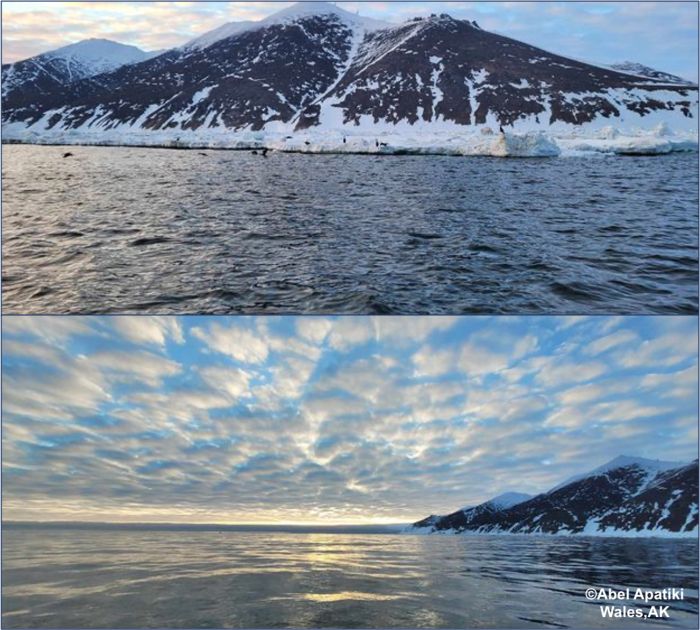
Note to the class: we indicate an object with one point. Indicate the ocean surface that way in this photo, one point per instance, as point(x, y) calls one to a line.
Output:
point(116, 230)
point(126, 579)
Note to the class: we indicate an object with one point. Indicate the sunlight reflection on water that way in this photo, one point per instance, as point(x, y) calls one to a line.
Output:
point(119, 579)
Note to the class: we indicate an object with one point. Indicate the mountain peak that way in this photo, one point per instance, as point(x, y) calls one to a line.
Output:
point(306, 9)
point(623, 461)
point(629, 460)
point(509, 499)
point(645, 497)
point(316, 7)
point(645, 72)
point(296, 12)
point(96, 48)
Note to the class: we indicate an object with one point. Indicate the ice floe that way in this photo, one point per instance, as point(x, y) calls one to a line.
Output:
point(473, 141)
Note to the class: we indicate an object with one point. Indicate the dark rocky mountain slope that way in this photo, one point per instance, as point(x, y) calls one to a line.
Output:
point(317, 66)
point(32, 80)
point(628, 496)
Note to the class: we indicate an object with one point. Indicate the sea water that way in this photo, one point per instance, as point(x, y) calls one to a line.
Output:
point(117, 230)
point(232, 579)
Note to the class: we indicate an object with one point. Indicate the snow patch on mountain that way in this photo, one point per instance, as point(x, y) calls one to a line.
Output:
point(645, 72)
point(290, 15)
point(302, 10)
point(100, 55)
point(222, 32)
point(508, 500)
point(316, 78)
point(82, 60)
point(629, 496)
point(650, 466)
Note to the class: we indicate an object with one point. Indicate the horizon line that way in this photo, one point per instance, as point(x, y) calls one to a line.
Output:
point(204, 525)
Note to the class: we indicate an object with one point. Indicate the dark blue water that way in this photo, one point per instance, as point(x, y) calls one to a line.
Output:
point(117, 230)
point(71, 579)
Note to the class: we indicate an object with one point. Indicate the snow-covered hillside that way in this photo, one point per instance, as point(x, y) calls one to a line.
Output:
point(629, 496)
point(57, 68)
point(286, 17)
point(651, 466)
point(508, 500)
point(338, 81)
point(641, 70)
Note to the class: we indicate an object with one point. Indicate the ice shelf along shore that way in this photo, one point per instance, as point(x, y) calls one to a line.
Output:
point(480, 141)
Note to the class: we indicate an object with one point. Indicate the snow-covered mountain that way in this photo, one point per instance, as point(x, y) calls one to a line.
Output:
point(508, 500)
point(314, 66)
point(626, 497)
point(462, 519)
point(46, 73)
point(641, 70)
point(285, 17)
point(651, 466)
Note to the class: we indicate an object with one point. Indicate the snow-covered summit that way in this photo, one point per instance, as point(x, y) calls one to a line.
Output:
point(222, 32)
point(289, 15)
point(508, 500)
point(56, 68)
point(318, 70)
point(645, 72)
point(650, 466)
point(103, 55)
point(628, 496)
point(302, 10)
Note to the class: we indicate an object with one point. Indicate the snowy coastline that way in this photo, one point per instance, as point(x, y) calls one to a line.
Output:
point(471, 142)
point(590, 532)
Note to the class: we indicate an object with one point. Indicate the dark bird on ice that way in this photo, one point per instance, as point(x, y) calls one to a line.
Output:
point(503, 133)
point(265, 152)
point(307, 143)
point(67, 155)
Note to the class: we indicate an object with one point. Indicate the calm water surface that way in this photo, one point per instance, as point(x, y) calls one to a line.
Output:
point(69, 579)
point(115, 230)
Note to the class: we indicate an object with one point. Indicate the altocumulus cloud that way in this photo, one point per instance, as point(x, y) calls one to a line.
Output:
point(328, 420)
point(659, 34)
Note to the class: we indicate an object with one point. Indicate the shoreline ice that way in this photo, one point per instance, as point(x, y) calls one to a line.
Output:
point(477, 142)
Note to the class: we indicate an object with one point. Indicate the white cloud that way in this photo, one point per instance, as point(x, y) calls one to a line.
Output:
point(235, 341)
point(581, 394)
point(351, 331)
point(55, 329)
point(431, 362)
point(411, 328)
point(681, 384)
point(603, 344)
point(313, 329)
point(664, 351)
point(234, 381)
point(300, 428)
point(571, 320)
point(291, 377)
point(477, 361)
point(624, 410)
point(148, 329)
point(137, 365)
point(556, 372)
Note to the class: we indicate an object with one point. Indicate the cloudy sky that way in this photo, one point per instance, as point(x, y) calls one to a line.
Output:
point(660, 34)
point(314, 420)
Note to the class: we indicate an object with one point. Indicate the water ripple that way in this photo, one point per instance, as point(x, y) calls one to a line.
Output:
point(92, 579)
point(137, 230)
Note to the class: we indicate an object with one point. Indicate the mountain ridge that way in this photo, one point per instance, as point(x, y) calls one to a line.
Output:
point(57, 68)
point(315, 66)
point(625, 497)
